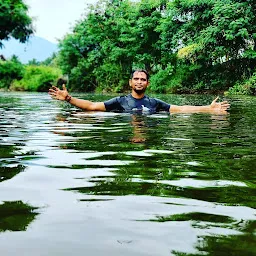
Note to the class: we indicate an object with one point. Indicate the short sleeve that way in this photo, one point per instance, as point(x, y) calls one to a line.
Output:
point(162, 106)
point(113, 104)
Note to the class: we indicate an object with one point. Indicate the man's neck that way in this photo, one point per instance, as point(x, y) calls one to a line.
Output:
point(136, 95)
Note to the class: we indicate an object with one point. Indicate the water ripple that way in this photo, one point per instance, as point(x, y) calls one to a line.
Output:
point(121, 184)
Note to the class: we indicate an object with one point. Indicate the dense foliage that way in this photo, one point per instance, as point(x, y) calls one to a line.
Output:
point(37, 78)
point(114, 37)
point(216, 39)
point(14, 20)
point(186, 45)
point(10, 70)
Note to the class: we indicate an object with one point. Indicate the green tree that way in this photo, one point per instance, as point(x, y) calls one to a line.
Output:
point(216, 39)
point(10, 70)
point(37, 78)
point(96, 47)
point(34, 62)
point(114, 37)
point(14, 21)
point(185, 45)
point(16, 216)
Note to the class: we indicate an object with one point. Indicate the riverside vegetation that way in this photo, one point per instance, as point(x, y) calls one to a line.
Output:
point(186, 46)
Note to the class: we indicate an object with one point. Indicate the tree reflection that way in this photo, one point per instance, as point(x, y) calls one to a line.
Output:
point(220, 245)
point(7, 173)
point(9, 166)
point(134, 129)
point(16, 216)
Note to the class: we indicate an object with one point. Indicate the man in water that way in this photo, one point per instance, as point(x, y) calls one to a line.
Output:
point(137, 100)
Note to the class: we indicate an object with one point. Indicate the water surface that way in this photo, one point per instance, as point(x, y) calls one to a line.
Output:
point(84, 183)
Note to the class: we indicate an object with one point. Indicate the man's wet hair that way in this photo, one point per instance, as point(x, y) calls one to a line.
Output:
point(140, 70)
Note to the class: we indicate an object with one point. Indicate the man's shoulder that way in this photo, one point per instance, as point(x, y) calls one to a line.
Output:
point(151, 99)
point(125, 97)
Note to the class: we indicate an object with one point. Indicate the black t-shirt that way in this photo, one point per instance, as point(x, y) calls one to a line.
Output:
point(129, 104)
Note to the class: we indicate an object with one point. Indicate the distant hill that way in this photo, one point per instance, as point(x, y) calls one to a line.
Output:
point(36, 48)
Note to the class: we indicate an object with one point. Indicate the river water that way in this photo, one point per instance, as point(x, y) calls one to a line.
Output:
point(77, 183)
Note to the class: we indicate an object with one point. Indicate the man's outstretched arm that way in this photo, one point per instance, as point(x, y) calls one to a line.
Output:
point(59, 94)
point(214, 108)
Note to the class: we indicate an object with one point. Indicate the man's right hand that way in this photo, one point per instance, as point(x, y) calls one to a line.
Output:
point(57, 93)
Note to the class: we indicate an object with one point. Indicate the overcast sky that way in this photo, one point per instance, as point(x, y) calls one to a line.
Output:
point(54, 18)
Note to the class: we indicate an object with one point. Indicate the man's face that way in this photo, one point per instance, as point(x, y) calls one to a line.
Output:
point(139, 82)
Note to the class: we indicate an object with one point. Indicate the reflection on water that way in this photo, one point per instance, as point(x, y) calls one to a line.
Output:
point(122, 184)
point(16, 216)
point(7, 172)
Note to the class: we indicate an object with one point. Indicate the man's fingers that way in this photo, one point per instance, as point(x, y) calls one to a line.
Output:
point(64, 87)
point(224, 103)
point(54, 88)
point(51, 91)
point(215, 99)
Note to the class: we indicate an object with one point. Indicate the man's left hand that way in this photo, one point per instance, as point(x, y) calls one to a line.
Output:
point(219, 107)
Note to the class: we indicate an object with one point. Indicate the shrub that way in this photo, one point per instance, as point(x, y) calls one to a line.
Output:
point(110, 78)
point(160, 81)
point(37, 78)
point(10, 70)
point(246, 87)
